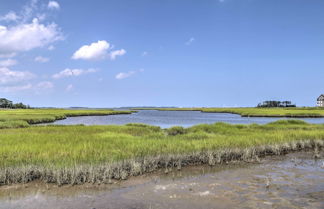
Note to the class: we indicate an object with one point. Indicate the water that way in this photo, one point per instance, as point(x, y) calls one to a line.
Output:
point(292, 181)
point(167, 119)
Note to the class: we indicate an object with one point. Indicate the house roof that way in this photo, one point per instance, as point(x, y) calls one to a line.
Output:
point(321, 98)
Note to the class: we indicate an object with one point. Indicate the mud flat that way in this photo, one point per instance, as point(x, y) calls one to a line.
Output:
point(294, 180)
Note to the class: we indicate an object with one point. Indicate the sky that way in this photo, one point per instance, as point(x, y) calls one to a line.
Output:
point(186, 53)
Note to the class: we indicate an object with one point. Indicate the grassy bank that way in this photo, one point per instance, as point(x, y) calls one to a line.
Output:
point(297, 112)
point(19, 118)
point(79, 154)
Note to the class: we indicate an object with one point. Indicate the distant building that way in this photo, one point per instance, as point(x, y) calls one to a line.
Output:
point(320, 101)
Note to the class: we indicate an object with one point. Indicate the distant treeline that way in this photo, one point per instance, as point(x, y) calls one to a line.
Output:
point(276, 104)
point(5, 103)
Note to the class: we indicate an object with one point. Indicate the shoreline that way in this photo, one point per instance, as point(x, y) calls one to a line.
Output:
point(271, 183)
point(22, 118)
point(107, 173)
point(173, 174)
point(71, 116)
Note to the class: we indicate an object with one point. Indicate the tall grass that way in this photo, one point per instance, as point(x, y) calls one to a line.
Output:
point(78, 154)
point(259, 112)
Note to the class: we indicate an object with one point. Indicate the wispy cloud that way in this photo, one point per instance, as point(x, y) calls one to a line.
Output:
point(69, 88)
point(190, 41)
point(10, 16)
point(41, 59)
point(116, 53)
point(124, 75)
point(53, 5)
point(8, 76)
point(72, 73)
point(15, 88)
point(45, 85)
point(51, 48)
point(42, 87)
point(38, 88)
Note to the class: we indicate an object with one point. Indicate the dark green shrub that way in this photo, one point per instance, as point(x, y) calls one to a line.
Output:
point(288, 122)
point(175, 130)
point(146, 126)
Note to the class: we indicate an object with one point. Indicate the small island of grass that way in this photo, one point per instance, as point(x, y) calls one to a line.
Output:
point(21, 118)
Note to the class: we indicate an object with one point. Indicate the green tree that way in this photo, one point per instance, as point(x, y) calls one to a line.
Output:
point(5, 103)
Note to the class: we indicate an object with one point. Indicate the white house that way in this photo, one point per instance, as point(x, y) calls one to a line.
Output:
point(320, 101)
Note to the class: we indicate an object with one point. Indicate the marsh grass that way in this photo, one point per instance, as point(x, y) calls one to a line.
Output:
point(98, 154)
point(19, 118)
point(13, 124)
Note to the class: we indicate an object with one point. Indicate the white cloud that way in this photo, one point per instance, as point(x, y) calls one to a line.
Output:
point(27, 30)
point(72, 73)
point(41, 59)
point(190, 41)
point(45, 85)
point(8, 62)
point(8, 76)
point(25, 37)
point(53, 5)
point(10, 16)
point(144, 54)
point(116, 53)
point(69, 87)
point(125, 75)
point(96, 51)
point(122, 75)
point(9, 89)
point(93, 51)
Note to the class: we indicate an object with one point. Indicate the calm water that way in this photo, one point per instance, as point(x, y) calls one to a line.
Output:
point(167, 119)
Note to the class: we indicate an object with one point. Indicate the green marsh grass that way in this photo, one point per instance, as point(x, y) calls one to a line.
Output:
point(18, 118)
point(79, 154)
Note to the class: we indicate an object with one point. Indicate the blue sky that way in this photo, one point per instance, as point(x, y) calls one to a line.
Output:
point(109, 53)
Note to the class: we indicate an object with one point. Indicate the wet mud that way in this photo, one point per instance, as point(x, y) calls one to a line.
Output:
point(294, 180)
